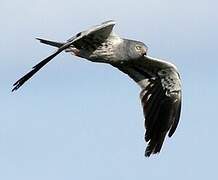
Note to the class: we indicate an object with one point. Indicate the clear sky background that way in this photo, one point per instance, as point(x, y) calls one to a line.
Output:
point(80, 120)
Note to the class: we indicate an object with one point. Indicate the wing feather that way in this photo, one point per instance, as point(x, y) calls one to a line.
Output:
point(38, 66)
point(177, 112)
point(93, 37)
point(84, 39)
point(160, 98)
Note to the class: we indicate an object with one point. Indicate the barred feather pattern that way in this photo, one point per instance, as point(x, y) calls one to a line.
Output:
point(161, 101)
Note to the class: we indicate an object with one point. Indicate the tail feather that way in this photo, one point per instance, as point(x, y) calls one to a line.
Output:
point(51, 43)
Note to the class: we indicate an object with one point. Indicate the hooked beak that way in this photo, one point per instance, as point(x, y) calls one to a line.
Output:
point(145, 50)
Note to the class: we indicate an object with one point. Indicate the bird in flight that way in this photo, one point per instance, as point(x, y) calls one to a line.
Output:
point(159, 80)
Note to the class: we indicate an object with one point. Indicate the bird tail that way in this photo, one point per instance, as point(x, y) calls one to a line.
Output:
point(51, 43)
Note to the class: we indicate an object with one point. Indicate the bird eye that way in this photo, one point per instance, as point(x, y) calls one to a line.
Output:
point(138, 48)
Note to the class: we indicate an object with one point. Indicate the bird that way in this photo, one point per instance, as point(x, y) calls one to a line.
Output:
point(159, 80)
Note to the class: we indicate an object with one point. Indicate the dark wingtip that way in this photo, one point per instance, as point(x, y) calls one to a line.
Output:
point(150, 148)
point(38, 66)
point(40, 40)
point(155, 145)
point(147, 154)
point(16, 86)
point(19, 83)
point(37, 38)
point(171, 132)
point(176, 121)
point(14, 89)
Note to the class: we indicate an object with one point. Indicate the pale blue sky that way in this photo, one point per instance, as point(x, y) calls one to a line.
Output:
point(80, 120)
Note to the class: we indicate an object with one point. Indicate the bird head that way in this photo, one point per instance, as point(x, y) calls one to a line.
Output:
point(136, 49)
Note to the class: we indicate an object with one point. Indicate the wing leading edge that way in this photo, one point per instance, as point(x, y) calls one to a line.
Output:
point(101, 31)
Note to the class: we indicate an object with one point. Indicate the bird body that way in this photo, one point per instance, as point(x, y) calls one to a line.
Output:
point(159, 80)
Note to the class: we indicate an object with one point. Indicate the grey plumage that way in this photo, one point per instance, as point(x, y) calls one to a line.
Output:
point(159, 80)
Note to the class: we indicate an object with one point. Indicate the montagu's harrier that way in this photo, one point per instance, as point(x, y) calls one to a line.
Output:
point(159, 80)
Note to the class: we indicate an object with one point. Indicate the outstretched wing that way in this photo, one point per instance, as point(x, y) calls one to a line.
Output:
point(94, 37)
point(85, 39)
point(160, 97)
point(38, 66)
point(161, 101)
